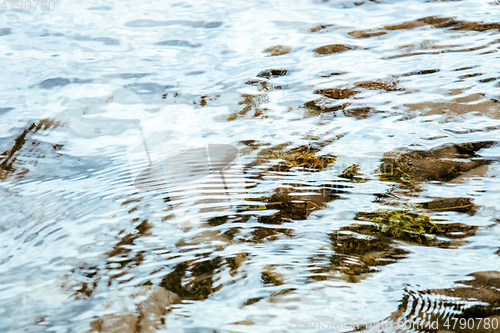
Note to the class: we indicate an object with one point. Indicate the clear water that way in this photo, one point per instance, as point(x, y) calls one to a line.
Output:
point(70, 235)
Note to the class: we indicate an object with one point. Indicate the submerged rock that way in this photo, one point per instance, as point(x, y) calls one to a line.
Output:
point(414, 227)
point(440, 164)
point(199, 275)
point(350, 172)
point(464, 205)
point(473, 307)
point(357, 256)
point(278, 50)
point(291, 207)
point(137, 310)
point(333, 48)
point(337, 93)
point(271, 73)
point(304, 157)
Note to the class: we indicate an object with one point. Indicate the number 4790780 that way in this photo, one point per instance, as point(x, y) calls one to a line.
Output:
point(472, 323)
point(28, 5)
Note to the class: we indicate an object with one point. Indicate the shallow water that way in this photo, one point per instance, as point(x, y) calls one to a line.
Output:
point(75, 233)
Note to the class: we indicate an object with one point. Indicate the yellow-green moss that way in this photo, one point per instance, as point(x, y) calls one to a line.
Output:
point(302, 157)
point(413, 226)
point(395, 175)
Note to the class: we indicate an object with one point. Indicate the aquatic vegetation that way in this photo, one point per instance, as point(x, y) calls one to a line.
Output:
point(360, 249)
point(351, 172)
point(413, 226)
point(300, 157)
point(392, 174)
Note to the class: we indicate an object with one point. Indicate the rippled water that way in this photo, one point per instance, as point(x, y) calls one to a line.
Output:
point(323, 84)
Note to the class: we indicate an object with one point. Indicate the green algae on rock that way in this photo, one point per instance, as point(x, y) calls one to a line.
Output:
point(350, 172)
point(303, 157)
point(413, 226)
point(392, 174)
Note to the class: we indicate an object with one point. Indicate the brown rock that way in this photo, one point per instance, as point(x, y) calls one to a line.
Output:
point(450, 204)
point(278, 50)
point(442, 164)
point(333, 48)
point(145, 315)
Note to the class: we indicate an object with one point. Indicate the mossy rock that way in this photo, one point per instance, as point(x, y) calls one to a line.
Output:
point(393, 174)
point(352, 173)
point(356, 256)
point(304, 157)
point(414, 227)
